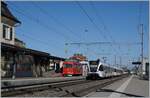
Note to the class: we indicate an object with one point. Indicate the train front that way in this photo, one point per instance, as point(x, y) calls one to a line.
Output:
point(93, 73)
point(67, 68)
point(72, 68)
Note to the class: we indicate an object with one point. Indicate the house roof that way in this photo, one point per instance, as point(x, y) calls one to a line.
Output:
point(6, 12)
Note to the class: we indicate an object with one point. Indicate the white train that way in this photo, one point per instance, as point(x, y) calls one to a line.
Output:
point(98, 69)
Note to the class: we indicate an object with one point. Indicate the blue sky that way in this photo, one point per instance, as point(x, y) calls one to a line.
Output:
point(47, 26)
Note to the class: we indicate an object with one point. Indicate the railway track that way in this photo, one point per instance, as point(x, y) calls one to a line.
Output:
point(72, 88)
point(82, 90)
point(30, 89)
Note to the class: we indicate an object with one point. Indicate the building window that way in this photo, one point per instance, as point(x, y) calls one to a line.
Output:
point(7, 32)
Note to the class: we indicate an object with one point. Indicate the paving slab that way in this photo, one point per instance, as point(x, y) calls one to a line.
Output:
point(128, 87)
point(137, 87)
point(107, 91)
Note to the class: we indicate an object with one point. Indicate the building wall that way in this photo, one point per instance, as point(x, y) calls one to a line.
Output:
point(23, 65)
point(6, 64)
point(10, 23)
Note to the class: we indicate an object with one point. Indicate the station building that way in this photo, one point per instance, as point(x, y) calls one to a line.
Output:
point(16, 59)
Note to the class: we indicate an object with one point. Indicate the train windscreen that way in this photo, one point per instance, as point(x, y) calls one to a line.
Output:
point(67, 65)
point(93, 69)
point(93, 66)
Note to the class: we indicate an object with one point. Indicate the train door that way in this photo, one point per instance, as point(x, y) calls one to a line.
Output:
point(101, 71)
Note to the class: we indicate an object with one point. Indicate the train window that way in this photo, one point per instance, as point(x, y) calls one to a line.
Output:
point(93, 62)
point(93, 69)
point(68, 65)
point(101, 68)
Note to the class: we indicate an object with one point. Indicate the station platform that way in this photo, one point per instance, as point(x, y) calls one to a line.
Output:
point(31, 81)
point(131, 86)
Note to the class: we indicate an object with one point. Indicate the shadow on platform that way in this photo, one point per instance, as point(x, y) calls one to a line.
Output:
point(109, 90)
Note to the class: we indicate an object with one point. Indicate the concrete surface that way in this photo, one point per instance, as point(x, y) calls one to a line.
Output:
point(128, 87)
point(138, 87)
point(30, 81)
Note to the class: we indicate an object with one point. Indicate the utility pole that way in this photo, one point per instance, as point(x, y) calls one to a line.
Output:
point(115, 62)
point(120, 61)
point(142, 41)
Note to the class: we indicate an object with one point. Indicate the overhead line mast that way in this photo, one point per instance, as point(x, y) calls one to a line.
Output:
point(141, 36)
point(142, 41)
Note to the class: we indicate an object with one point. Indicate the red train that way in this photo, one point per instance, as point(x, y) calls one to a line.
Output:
point(71, 68)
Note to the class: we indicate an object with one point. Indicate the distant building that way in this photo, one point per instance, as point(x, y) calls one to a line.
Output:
point(142, 68)
point(56, 63)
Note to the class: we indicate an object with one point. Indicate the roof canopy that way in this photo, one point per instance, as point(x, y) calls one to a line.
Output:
point(12, 48)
